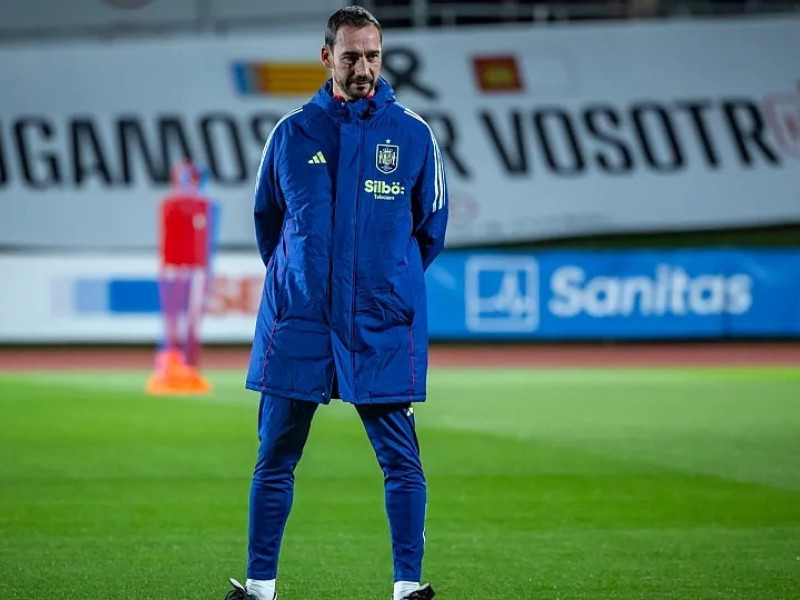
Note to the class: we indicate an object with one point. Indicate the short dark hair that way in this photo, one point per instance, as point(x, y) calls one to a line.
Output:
point(356, 16)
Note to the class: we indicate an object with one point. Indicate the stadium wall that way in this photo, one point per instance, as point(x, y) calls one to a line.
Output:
point(598, 129)
point(546, 133)
point(706, 294)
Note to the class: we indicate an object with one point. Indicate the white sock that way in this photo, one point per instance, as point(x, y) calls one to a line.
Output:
point(263, 589)
point(401, 588)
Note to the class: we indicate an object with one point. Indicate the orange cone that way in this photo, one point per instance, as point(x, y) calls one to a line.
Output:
point(173, 376)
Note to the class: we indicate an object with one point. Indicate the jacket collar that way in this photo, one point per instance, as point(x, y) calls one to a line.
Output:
point(364, 108)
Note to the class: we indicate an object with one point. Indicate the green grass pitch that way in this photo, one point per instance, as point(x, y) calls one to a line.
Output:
point(561, 484)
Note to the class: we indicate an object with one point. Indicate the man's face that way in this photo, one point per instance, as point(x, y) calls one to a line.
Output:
point(355, 61)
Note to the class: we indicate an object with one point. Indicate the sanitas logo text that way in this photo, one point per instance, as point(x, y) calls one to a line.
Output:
point(383, 190)
point(670, 291)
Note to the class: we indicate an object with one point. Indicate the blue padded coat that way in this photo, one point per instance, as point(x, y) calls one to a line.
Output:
point(350, 209)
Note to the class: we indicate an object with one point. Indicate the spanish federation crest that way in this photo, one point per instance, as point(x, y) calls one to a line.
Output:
point(386, 156)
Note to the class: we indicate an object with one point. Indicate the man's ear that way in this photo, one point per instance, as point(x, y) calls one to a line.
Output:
point(326, 55)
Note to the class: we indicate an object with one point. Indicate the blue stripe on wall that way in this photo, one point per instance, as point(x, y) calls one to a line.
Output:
point(138, 296)
point(241, 78)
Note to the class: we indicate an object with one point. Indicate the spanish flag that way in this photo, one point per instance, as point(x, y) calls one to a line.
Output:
point(497, 73)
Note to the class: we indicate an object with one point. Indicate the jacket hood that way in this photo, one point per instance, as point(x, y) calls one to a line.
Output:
point(363, 108)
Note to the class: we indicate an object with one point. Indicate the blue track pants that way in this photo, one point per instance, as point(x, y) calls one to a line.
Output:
point(283, 430)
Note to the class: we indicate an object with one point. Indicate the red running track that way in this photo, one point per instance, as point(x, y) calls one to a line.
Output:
point(485, 355)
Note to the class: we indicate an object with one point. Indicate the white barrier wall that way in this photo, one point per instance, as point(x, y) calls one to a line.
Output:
point(472, 295)
point(545, 132)
point(52, 298)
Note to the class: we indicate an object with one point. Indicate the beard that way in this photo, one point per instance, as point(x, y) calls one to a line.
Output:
point(359, 87)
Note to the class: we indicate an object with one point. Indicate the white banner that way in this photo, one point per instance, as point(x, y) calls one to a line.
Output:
point(546, 131)
point(51, 298)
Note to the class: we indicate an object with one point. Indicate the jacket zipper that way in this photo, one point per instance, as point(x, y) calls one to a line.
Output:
point(355, 255)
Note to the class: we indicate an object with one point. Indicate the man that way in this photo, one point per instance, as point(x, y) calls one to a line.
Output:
point(350, 209)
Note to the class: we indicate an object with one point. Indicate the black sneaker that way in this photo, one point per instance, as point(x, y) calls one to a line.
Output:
point(240, 593)
point(424, 592)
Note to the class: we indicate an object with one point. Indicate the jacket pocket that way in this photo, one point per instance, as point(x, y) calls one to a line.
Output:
point(378, 309)
point(275, 284)
point(402, 304)
point(407, 291)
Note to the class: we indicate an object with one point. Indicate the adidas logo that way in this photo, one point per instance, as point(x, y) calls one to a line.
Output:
point(317, 159)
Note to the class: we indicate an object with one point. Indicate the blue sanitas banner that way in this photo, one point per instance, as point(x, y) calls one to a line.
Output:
point(591, 295)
